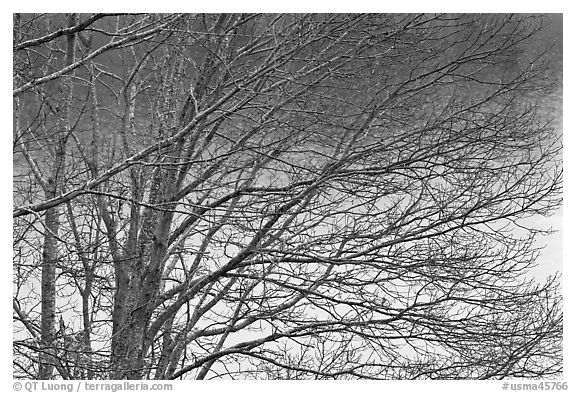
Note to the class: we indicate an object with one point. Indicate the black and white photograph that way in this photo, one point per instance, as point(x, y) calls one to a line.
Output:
point(287, 196)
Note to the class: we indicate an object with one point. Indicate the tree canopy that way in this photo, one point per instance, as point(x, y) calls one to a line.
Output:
point(283, 196)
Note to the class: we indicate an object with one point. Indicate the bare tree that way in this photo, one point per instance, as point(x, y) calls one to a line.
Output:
point(283, 196)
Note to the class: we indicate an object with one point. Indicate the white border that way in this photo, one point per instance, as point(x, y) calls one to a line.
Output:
point(569, 234)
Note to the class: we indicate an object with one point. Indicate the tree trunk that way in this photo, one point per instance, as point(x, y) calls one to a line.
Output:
point(49, 259)
point(51, 223)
